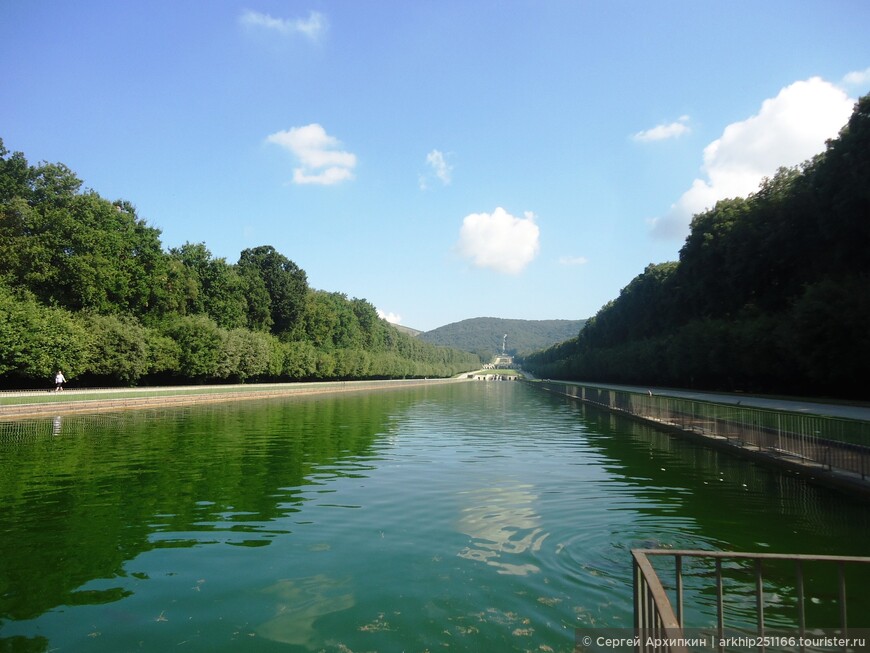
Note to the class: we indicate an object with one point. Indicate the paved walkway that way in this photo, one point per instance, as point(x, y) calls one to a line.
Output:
point(66, 399)
point(796, 405)
point(36, 403)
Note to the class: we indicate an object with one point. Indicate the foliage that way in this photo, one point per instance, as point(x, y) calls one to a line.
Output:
point(86, 287)
point(214, 287)
point(770, 292)
point(119, 347)
point(77, 250)
point(286, 284)
point(36, 340)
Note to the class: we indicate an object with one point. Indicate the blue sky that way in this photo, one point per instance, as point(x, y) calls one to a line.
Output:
point(444, 160)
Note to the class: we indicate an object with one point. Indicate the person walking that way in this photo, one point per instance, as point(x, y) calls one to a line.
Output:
point(59, 380)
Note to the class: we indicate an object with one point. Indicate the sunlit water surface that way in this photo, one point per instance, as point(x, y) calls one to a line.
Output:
point(483, 516)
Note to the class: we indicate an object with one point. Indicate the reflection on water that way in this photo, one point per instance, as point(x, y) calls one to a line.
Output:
point(299, 603)
point(502, 523)
point(471, 516)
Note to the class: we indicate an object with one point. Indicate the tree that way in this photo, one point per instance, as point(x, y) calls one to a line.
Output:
point(79, 251)
point(708, 259)
point(119, 348)
point(200, 343)
point(217, 289)
point(15, 175)
point(53, 184)
point(286, 285)
point(36, 341)
point(258, 303)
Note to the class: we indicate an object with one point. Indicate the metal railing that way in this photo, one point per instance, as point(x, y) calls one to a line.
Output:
point(826, 442)
point(656, 616)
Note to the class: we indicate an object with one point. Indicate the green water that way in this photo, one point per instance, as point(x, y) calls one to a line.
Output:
point(469, 517)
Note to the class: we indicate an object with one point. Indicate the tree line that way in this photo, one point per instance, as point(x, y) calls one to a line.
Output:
point(87, 287)
point(771, 292)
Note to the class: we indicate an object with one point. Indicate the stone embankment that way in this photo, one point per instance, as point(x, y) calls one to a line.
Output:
point(30, 404)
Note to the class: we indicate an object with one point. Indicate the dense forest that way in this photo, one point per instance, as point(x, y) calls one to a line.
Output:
point(771, 292)
point(87, 287)
point(483, 335)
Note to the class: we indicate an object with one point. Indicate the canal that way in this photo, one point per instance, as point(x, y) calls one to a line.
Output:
point(471, 516)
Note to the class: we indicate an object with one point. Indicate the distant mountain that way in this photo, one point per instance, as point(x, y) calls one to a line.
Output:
point(483, 335)
point(411, 332)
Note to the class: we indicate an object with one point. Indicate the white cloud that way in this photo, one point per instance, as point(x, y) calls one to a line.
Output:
point(573, 260)
point(437, 162)
point(663, 132)
point(499, 241)
point(328, 177)
point(322, 162)
point(787, 130)
point(392, 318)
point(857, 78)
point(312, 27)
point(439, 166)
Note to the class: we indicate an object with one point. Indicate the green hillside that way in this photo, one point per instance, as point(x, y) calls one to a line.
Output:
point(483, 335)
point(401, 328)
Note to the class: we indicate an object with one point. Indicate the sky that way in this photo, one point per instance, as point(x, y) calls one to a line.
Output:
point(442, 159)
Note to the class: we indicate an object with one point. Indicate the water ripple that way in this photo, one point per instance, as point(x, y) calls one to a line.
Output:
point(469, 516)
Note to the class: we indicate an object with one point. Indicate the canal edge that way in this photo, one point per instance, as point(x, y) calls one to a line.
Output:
point(812, 472)
point(202, 395)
